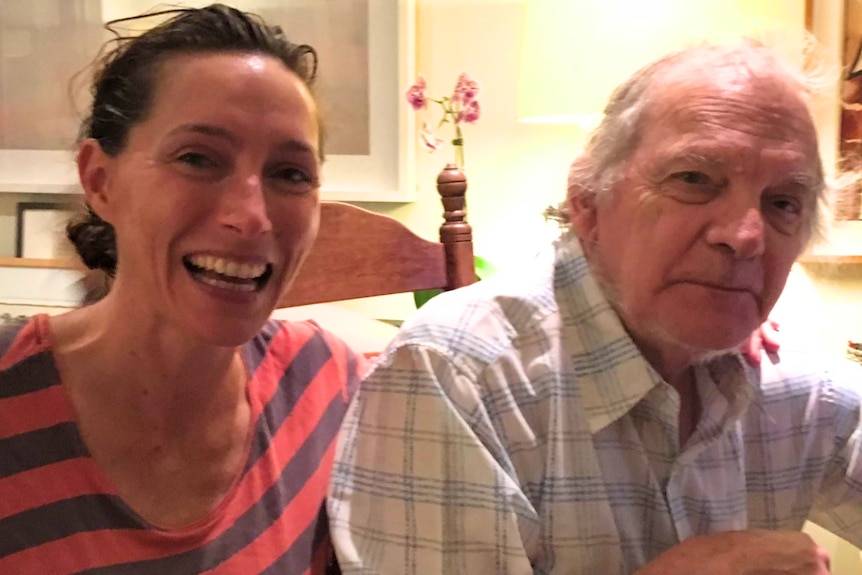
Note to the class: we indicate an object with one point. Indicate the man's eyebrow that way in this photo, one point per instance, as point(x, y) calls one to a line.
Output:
point(699, 156)
point(693, 157)
point(805, 180)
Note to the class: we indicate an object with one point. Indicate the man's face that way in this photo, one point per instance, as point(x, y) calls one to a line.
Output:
point(695, 241)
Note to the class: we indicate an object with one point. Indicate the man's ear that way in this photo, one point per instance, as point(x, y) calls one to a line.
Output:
point(580, 201)
point(93, 173)
point(582, 214)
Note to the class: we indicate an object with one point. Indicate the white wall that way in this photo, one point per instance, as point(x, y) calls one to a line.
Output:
point(514, 170)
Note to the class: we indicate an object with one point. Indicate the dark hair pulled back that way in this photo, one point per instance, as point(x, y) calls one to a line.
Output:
point(125, 81)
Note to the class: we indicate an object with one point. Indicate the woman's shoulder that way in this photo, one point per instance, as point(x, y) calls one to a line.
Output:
point(303, 347)
point(295, 335)
point(22, 339)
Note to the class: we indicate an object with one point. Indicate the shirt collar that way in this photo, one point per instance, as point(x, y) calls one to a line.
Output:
point(735, 379)
point(612, 374)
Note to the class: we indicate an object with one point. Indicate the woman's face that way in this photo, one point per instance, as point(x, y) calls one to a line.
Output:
point(215, 196)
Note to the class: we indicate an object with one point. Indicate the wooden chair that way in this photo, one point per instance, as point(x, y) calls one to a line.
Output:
point(359, 253)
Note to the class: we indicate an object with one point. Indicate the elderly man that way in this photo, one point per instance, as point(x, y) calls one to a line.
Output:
point(589, 415)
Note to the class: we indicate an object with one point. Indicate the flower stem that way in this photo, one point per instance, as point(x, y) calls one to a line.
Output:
point(458, 144)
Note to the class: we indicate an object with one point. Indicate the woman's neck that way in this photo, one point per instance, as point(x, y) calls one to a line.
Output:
point(166, 418)
point(145, 367)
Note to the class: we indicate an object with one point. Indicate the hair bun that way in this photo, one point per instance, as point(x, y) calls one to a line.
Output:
point(95, 242)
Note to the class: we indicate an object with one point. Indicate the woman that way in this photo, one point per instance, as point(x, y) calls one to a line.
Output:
point(171, 427)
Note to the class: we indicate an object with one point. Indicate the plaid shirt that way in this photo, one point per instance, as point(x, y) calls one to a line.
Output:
point(513, 427)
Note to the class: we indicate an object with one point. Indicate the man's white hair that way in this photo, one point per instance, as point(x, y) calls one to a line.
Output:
point(617, 137)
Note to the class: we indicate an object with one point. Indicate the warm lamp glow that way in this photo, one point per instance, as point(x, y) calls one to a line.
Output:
point(577, 51)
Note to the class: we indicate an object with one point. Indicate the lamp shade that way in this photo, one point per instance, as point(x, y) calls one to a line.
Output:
point(577, 51)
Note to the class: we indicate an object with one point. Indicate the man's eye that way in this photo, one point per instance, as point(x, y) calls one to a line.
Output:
point(785, 212)
point(694, 178)
point(692, 187)
point(788, 206)
point(787, 209)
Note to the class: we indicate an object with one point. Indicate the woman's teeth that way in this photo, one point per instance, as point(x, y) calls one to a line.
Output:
point(227, 274)
point(215, 282)
point(226, 267)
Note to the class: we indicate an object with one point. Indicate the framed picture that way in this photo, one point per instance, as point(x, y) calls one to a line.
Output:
point(41, 228)
point(848, 202)
point(837, 27)
point(851, 98)
point(366, 52)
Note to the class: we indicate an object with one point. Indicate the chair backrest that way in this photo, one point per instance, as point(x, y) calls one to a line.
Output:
point(359, 253)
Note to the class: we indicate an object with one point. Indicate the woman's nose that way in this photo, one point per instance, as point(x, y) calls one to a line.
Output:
point(245, 208)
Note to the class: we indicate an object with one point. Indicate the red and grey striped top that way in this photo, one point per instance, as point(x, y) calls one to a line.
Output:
point(59, 514)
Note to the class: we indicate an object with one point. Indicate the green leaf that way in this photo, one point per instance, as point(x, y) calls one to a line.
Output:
point(484, 270)
point(422, 297)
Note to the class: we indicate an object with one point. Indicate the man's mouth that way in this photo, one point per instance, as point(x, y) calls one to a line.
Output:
point(226, 273)
point(728, 287)
point(738, 288)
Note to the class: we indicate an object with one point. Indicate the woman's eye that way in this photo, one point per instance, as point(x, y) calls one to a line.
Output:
point(197, 160)
point(292, 175)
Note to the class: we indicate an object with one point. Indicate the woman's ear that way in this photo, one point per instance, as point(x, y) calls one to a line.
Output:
point(93, 166)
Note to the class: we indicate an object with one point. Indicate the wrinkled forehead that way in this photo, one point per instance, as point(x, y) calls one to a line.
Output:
point(753, 85)
point(736, 94)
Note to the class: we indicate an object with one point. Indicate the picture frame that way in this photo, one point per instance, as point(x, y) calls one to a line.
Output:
point(837, 29)
point(40, 230)
point(383, 173)
point(387, 172)
point(851, 97)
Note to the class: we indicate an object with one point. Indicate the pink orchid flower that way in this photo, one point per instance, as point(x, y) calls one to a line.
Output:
point(470, 113)
point(466, 89)
point(427, 138)
point(462, 107)
point(416, 94)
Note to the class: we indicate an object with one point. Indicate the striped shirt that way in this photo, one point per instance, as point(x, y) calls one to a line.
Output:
point(513, 427)
point(59, 514)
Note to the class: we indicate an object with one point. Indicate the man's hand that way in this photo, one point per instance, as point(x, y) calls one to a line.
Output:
point(764, 338)
point(751, 552)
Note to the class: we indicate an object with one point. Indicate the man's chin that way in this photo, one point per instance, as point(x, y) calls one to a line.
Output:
point(709, 337)
point(708, 356)
point(702, 346)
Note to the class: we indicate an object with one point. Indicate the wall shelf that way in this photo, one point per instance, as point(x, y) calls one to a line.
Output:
point(833, 268)
point(54, 283)
point(833, 260)
point(63, 264)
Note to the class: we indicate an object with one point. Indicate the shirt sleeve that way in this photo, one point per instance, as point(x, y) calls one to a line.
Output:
point(838, 507)
point(414, 489)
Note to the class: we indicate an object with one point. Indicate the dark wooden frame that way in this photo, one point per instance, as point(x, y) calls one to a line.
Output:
point(24, 207)
point(359, 253)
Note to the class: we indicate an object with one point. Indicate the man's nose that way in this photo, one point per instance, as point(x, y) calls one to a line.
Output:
point(244, 209)
point(743, 234)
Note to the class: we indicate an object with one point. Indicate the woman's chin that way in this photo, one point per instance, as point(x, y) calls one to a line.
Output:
point(226, 331)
